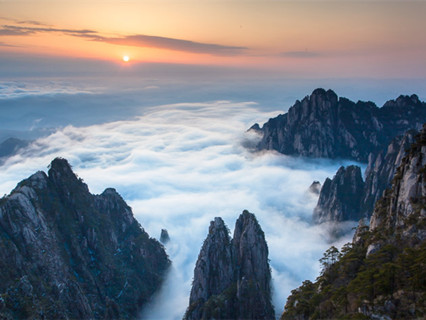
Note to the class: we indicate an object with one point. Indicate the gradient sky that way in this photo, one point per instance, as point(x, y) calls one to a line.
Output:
point(343, 38)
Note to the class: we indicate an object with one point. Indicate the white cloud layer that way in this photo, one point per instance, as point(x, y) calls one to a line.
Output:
point(181, 165)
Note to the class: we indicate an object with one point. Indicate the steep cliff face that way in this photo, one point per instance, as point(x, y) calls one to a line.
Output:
point(381, 169)
point(349, 198)
point(381, 274)
point(232, 277)
point(66, 253)
point(325, 126)
point(340, 198)
point(403, 206)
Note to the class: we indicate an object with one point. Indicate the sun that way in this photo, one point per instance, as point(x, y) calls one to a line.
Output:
point(126, 58)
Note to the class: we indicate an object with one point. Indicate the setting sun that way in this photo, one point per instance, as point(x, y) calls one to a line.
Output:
point(126, 58)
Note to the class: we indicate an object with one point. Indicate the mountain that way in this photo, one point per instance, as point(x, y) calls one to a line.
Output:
point(381, 273)
point(68, 254)
point(340, 198)
point(232, 277)
point(347, 197)
point(323, 125)
point(11, 146)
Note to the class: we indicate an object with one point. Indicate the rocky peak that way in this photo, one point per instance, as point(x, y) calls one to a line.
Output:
point(340, 198)
point(67, 250)
point(64, 179)
point(323, 125)
point(403, 101)
point(379, 173)
point(213, 272)
point(164, 236)
point(404, 204)
point(251, 250)
point(232, 278)
point(315, 188)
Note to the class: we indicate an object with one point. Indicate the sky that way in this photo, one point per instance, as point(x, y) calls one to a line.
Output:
point(342, 38)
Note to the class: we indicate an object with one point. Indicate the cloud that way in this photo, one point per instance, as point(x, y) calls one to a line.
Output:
point(139, 40)
point(301, 54)
point(181, 165)
point(175, 44)
point(2, 44)
point(24, 31)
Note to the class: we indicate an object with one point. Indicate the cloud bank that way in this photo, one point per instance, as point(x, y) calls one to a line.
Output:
point(181, 165)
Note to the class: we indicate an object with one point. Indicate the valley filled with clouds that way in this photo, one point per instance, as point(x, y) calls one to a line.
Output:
point(179, 166)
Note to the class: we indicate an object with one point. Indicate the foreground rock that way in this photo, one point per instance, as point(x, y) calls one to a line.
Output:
point(380, 275)
point(232, 277)
point(323, 125)
point(68, 254)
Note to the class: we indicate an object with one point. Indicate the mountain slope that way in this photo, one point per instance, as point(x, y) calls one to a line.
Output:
point(66, 253)
point(381, 274)
point(347, 197)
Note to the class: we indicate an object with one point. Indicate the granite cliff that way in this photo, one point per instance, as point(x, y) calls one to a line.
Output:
point(68, 254)
point(381, 273)
point(323, 125)
point(348, 197)
point(340, 198)
point(232, 277)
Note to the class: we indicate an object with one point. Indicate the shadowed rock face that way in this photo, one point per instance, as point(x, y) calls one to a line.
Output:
point(404, 205)
point(232, 277)
point(380, 275)
point(65, 253)
point(323, 125)
point(347, 197)
point(340, 198)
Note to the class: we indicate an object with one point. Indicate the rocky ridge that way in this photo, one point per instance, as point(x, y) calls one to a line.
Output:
point(323, 125)
point(381, 273)
point(232, 277)
point(351, 199)
point(66, 253)
point(340, 198)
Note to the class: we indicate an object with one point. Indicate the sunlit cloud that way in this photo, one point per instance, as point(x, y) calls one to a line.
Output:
point(181, 165)
point(175, 44)
point(24, 31)
point(138, 40)
point(301, 54)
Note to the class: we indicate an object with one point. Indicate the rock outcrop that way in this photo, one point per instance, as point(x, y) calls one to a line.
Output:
point(164, 236)
point(340, 198)
point(232, 277)
point(380, 275)
point(349, 198)
point(381, 169)
point(315, 188)
point(323, 125)
point(402, 209)
point(68, 254)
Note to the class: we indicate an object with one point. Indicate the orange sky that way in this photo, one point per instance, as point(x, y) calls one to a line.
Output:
point(329, 38)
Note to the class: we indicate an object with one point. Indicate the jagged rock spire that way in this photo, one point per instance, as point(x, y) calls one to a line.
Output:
point(232, 278)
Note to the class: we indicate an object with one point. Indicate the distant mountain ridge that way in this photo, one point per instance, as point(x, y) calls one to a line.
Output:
point(68, 254)
point(323, 125)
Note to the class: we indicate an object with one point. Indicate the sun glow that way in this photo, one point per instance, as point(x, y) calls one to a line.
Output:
point(126, 58)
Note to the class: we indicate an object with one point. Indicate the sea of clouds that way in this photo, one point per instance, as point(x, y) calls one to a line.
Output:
point(178, 166)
